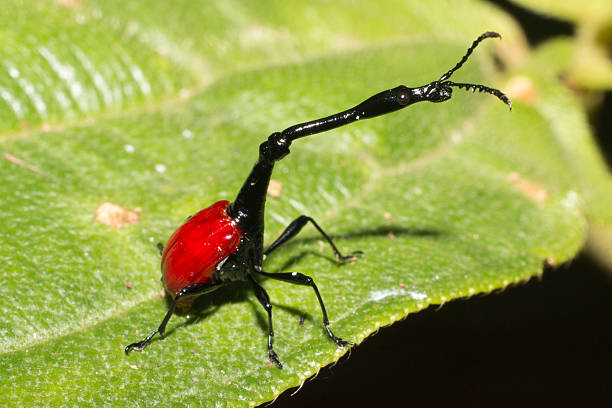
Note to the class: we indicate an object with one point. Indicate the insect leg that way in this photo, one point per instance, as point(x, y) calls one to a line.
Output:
point(191, 290)
point(296, 226)
point(301, 279)
point(264, 299)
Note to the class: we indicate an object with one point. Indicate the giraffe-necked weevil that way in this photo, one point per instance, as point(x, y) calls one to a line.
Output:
point(224, 242)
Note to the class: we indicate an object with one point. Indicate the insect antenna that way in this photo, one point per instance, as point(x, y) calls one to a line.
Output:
point(488, 34)
point(474, 87)
point(481, 88)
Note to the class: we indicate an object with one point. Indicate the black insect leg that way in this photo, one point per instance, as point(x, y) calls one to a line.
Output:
point(296, 226)
point(264, 299)
point(301, 279)
point(191, 290)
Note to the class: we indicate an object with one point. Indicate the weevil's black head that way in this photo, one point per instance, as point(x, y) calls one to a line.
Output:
point(441, 90)
point(433, 92)
point(438, 92)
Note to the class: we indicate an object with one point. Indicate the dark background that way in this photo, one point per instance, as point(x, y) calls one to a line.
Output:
point(547, 342)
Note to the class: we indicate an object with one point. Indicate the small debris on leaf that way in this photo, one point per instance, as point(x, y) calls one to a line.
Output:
point(456, 137)
point(389, 217)
point(274, 188)
point(115, 216)
point(187, 134)
point(521, 88)
point(71, 4)
point(530, 189)
point(184, 93)
point(21, 163)
point(321, 245)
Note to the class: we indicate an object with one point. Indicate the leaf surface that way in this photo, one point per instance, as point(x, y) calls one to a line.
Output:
point(445, 200)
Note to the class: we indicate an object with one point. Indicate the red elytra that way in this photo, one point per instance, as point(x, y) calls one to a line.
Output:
point(194, 250)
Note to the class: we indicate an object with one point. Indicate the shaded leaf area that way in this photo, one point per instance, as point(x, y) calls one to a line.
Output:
point(439, 197)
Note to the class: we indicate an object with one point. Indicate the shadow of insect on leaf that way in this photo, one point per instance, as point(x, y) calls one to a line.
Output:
point(381, 231)
point(205, 306)
point(262, 319)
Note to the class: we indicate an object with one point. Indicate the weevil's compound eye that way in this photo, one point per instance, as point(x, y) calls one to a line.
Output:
point(403, 97)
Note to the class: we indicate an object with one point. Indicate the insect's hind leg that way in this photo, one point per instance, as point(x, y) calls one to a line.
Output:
point(296, 226)
point(297, 278)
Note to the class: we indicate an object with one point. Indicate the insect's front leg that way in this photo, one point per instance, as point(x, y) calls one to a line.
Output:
point(264, 299)
point(188, 291)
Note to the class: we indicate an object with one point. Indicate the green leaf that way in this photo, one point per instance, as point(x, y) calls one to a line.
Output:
point(445, 200)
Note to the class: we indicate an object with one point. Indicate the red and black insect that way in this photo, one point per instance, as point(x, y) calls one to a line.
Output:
point(224, 242)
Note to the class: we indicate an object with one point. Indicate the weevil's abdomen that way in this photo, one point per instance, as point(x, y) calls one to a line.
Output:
point(194, 250)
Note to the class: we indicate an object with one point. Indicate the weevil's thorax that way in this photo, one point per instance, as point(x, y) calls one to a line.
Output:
point(237, 266)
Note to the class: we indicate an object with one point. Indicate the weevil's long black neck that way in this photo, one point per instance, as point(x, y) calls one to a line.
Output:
point(248, 208)
point(382, 103)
